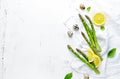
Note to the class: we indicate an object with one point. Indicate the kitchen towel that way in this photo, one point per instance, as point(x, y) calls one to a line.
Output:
point(108, 39)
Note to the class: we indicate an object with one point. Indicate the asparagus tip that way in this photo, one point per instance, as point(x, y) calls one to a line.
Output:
point(82, 34)
point(87, 16)
point(68, 46)
point(78, 49)
point(80, 15)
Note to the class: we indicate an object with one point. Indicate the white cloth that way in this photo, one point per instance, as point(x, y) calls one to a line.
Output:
point(110, 68)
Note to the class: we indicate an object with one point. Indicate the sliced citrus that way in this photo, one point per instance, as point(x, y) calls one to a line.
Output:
point(99, 18)
point(90, 55)
point(97, 61)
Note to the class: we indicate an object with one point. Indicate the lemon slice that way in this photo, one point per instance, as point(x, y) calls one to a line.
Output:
point(99, 18)
point(90, 55)
point(97, 61)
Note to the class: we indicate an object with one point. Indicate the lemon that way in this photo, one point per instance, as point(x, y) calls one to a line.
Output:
point(99, 18)
point(92, 57)
point(97, 61)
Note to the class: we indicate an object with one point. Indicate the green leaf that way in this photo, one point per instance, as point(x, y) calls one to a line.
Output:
point(68, 76)
point(88, 8)
point(102, 28)
point(111, 53)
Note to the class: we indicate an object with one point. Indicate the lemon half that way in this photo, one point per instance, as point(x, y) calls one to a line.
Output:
point(99, 18)
point(92, 57)
point(97, 61)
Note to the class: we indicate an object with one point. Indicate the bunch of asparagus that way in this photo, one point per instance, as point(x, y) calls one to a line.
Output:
point(84, 59)
point(92, 41)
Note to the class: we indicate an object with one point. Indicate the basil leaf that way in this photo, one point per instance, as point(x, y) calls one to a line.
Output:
point(88, 8)
point(102, 28)
point(111, 53)
point(68, 76)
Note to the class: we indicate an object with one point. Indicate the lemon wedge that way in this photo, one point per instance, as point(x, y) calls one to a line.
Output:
point(92, 57)
point(99, 18)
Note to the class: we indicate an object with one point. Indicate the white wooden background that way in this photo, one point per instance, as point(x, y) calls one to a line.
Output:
point(32, 39)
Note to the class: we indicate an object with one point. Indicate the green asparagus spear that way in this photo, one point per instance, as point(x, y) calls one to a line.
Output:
point(83, 60)
point(88, 30)
point(98, 48)
point(86, 39)
point(83, 54)
point(91, 46)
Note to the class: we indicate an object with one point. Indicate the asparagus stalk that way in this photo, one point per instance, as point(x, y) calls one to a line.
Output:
point(83, 60)
point(98, 48)
point(86, 39)
point(88, 30)
point(83, 54)
point(91, 46)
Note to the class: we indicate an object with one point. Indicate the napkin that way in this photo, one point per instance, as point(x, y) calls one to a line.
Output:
point(108, 39)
